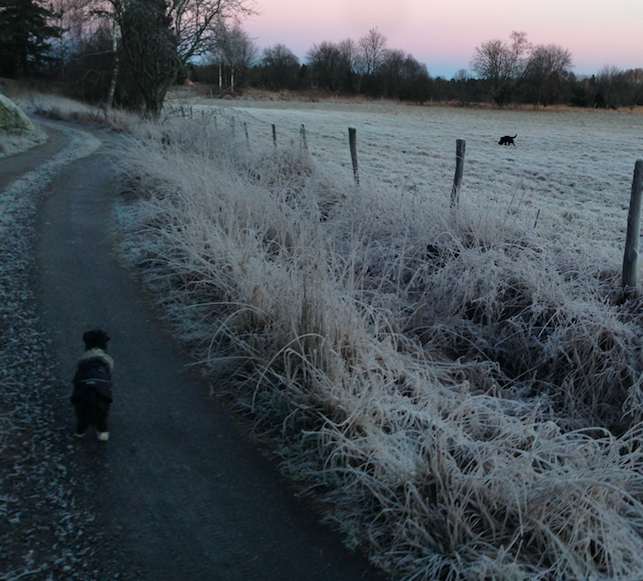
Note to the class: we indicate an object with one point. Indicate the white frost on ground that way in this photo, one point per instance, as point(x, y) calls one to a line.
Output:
point(572, 169)
point(12, 143)
point(22, 190)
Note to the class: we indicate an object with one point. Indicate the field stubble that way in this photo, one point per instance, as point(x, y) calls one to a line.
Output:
point(462, 387)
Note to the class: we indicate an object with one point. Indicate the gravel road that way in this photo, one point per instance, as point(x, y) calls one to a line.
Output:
point(179, 492)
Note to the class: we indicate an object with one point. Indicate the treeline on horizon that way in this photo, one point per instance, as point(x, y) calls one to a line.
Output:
point(503, 73)
point(101, 55)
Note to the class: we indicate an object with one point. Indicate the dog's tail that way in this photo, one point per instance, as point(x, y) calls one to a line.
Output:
point(514, 137)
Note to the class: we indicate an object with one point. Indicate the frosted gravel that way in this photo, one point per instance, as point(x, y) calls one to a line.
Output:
point(46, 531)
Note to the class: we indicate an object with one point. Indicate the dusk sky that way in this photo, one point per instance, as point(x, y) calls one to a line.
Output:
point(443, 35)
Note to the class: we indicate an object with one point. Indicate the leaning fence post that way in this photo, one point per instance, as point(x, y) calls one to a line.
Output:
point(245, 128)
point(274, 134)
point(460, 146)
point(352, 141)
point(631, 254)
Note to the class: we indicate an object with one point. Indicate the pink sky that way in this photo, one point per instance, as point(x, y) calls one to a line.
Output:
point(444, 35)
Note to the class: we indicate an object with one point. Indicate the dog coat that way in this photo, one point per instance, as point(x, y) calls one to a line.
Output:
point(94, 371)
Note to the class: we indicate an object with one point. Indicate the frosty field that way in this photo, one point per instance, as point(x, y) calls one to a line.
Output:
point(574, 166)
point(461, 388)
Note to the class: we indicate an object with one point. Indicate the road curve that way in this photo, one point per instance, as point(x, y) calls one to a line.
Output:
point(182, 491)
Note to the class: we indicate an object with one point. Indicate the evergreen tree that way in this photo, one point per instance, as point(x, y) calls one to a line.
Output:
point(25, 32)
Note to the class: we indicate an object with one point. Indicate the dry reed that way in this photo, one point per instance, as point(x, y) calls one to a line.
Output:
point(464, 400)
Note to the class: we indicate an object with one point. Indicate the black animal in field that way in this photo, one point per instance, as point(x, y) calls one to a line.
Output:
point(507, 140)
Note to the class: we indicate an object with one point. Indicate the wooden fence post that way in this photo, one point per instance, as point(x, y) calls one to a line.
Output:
point(232, 126)
point(302, 133)
point(245, 128)
point(460, 146)
point(352, 141)
point(631, 254)
point(274, 134)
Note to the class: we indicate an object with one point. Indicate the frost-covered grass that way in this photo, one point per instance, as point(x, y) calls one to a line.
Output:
point(461, 387)
point(60, 108)
point(574, 166)
point(12, 142)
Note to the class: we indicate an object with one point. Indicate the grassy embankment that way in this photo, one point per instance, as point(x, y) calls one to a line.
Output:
point(464, 398)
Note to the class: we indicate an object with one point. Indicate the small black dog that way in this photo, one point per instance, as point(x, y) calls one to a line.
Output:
point(507, 140)
point(92, 393)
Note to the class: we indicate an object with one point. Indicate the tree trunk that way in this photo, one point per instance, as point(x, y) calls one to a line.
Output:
point(150, 44)
point(115, 67)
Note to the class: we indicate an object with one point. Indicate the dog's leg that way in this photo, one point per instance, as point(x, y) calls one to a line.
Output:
point(81, 428)
point(102, 429)
point(82, 422)
point(101, 420)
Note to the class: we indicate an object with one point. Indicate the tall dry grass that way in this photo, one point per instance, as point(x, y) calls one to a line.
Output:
point(58, 108)
point(461, 394)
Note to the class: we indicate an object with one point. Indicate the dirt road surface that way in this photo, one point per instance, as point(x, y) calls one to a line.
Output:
point(179, 488)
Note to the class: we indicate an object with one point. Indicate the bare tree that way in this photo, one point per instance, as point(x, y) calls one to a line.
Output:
point(234, 47)
point(417, 82)
point(349, 52)
point(161, 36)
point(634, 87)
point(502, 65)
point(281, 66)
point(461, 79)
point(116, 64)
point(610, 82)
point(73, 19)
point(393, 70)
point(325, 60)
point(372, 47)
point(84, 24)
point(546, 67)
point(195, 22)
